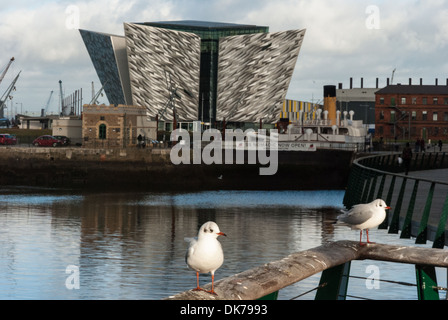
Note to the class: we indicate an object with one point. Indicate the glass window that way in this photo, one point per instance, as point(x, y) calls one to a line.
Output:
point(403, 100)
point(425, 100)
point(435, 100)
point(381, 100)
point(382, 115)
point(445, 100)
point(414, 115)
point(414, 100)
point(425, 115)
point(392, 116)
point(445, 116)
point(435, 116)
point(102, 132)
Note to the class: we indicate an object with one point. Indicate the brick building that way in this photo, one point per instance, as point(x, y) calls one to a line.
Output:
point(115, 126)
point(408, 112)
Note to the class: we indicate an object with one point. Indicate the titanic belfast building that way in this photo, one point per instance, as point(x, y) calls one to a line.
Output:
point(209, 71)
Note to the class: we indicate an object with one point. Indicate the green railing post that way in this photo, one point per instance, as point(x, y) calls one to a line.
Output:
point(406, 230)
point(390, 192)
point(439, 240)
point(334, 283)
point(426, 283)
point(372, 189)
point(423, 229)
point(394, 224)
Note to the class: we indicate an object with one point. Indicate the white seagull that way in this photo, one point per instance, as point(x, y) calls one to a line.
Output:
point(364, 217)
point(205, 254)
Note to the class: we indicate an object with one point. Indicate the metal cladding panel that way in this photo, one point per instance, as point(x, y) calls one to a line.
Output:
point(158, 57)
point(254, 73)
point(101, 50)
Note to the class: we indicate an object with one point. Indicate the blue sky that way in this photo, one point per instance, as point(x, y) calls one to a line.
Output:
point(345, 38)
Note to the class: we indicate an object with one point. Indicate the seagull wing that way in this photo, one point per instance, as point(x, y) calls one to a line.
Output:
point(357, 215)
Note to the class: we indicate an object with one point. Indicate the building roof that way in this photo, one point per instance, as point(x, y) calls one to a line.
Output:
point(200, 24)
point(414, 89)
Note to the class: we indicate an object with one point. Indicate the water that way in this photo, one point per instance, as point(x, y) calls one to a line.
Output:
point(131, 246)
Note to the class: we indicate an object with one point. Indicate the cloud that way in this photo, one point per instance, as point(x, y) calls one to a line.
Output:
point(413, 37)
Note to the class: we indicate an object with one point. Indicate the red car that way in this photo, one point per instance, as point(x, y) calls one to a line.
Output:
point(7, 139)
point(47, 141)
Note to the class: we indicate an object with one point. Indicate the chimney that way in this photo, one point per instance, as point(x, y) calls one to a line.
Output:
point(421, 81)
point(378, 82)
point(351, 83)
point(362, 83)
point(410, 81)
point(340, 86)
point(437, 82)
point(388, 81)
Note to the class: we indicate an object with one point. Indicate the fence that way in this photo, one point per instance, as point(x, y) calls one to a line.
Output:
point(426, 213)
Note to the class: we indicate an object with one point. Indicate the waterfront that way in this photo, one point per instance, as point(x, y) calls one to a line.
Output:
point(131, 245)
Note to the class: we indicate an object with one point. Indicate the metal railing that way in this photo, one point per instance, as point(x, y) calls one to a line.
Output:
point(333, 260)
point(381, 176)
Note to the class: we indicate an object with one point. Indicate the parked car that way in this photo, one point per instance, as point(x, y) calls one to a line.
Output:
point(65, 140)
point(47, 141)
point(7, 139)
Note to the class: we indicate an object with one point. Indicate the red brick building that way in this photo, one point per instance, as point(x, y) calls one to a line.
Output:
point(411, 112)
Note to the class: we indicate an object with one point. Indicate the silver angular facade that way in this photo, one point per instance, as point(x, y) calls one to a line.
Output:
point(161, 61)
point(108, 55)
point(254, 73)
point(210, 71)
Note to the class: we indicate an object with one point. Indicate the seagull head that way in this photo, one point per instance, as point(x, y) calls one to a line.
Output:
point(381, 204)
point(210, 229)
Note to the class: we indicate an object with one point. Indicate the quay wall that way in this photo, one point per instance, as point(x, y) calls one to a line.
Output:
point(151, 169)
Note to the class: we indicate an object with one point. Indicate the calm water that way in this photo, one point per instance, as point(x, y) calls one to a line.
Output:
point(131, 246)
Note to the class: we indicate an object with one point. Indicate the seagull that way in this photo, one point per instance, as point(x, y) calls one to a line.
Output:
point(205, 254)
point(364, 217)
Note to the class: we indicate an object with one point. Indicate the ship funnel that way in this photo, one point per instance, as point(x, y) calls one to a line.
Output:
point(330, 102)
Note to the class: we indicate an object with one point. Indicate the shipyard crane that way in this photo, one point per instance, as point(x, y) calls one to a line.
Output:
point(6, 69)
point(7, 93)
point(393, 73)
point(48, 103)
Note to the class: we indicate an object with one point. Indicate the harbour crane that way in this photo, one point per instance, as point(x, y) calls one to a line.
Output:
point(6, 69)
point(7, 93)
point(48, 103)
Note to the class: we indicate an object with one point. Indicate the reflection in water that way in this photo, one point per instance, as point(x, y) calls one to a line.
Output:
point(131, 246)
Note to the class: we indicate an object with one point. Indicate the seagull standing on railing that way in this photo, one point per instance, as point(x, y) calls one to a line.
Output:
point(205, 253)
point(364, 217)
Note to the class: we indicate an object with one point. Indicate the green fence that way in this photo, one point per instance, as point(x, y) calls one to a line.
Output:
point(419, 205)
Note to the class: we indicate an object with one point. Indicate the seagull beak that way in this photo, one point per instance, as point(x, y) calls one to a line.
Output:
point(221, 234)
point(387, 208)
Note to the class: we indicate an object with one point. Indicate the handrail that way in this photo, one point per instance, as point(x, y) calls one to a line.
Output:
point(261, 281)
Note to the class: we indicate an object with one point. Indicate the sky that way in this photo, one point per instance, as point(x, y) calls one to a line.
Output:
point(346, 38)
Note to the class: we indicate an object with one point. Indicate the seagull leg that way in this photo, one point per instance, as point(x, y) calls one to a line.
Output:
point(360, 239)
point(368, 241)
point(213, 283)
point(198, 288)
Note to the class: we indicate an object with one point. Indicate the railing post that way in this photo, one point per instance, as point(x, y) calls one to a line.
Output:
point(334, 283)
point(390, 192)
point(406, 230)
point(439, 239)
point(426, 283)
point(423, 229)
point(394, 224)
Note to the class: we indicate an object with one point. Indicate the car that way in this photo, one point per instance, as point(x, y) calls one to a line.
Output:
point(7, 139)
point(47, 141)
point(65, 140)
